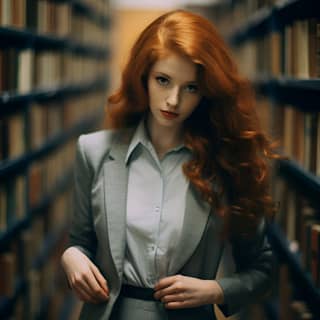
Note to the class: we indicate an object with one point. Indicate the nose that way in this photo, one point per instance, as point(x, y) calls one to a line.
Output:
point(173, 97)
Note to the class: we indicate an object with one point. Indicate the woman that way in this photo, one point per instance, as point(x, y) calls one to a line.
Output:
point(180, 171)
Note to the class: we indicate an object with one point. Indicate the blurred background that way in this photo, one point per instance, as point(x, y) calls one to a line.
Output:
point(60, 59)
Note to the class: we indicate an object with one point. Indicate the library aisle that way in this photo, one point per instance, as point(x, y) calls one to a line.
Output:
point(56, 69)
point(54, 60)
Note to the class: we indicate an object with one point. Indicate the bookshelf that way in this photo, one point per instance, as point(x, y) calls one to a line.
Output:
point(277, 45)
point(54, 61)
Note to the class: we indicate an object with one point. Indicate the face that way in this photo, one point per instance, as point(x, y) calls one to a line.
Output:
point(173, 91)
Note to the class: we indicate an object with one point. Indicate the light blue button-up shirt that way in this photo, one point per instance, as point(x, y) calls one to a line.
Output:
point(155, 209)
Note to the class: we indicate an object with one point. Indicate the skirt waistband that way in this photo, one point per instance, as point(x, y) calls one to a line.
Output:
point(137, 293)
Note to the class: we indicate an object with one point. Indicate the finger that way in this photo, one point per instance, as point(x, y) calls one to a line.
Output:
point(100, 279)
point(81, 285)
point(84, 296)
point(174, 298)
point(95, 289)
point(175, 287)
point(79, 281)
point(177, 305)
point(165, 282)
point(166, 291)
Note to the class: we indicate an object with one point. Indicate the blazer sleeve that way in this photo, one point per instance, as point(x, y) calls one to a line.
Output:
point(82, 234)
point(252, 279)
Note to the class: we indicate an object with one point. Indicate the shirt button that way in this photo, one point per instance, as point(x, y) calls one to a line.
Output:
point(157, 209)
point(152, 248)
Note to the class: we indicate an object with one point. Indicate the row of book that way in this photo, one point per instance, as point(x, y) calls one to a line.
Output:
point(232, 15)
point(297, 216)
point(32, 262)
point(300, 141)
point(293, 51)
point(87, 32)
point(297, 132)
point(300, 135)
point(26, 191)
point(300, 221)
point(40, 16)
point(31, 128)
point(53, 65)
point(53, 17)
point(24, 70)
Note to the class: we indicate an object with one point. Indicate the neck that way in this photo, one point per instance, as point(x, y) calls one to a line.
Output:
point(163, 138)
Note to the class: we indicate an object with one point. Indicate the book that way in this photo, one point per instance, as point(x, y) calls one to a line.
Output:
point(317, 141)
point(308, 219)
point(314, 48)
point(285, 292)
point(35, 183)
point(6, 12)
point(32, 14)
point(28, 252)
point(288, 130)
point(25, 71)
point(299, 137)
point(2, 72)
point(16, 135)
point(275, 52)
point(288, 51)
point(9, 61)
point(3, 207)
point(7, 275)
point(63, 17)
point(301, 49)
point(18, 9)
point(20, 196)
point(3, 138)
point(310, 141)
point(34, 293)
point(315, 253)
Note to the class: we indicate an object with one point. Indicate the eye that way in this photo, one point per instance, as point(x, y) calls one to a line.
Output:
point(162, 80)
point(192, 88)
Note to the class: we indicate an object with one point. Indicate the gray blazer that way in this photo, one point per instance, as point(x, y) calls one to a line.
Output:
point(98, 229)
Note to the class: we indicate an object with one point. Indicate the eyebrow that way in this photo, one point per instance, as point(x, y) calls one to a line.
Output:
point(166, 75)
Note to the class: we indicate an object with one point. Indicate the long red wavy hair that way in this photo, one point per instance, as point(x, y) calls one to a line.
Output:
point(230, 152)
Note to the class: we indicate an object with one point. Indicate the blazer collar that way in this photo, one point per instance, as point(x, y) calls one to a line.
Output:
point(195, 219)
point(115, 193)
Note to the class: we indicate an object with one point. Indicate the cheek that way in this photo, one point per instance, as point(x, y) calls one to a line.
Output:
point(191, 104)
point(155, 94)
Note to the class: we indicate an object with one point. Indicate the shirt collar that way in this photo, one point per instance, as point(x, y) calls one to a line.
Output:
point(141, 136)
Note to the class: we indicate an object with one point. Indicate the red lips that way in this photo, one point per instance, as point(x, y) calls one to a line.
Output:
point(168, 114)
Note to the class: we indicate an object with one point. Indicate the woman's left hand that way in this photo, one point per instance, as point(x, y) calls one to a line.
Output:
point(179, 291)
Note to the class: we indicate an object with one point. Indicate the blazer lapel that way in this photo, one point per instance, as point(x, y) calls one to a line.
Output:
point(195, 219)
point(115, 193)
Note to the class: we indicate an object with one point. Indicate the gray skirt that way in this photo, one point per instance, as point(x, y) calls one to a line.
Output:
point(133, 309)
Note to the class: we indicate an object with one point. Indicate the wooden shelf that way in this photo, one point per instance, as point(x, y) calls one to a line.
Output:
point(62, 185)
point(303, 281)
point(307, 183)
point(11, 102)
point(9, 168)
point(266, 20)
point(23, 39)
point(301, 93)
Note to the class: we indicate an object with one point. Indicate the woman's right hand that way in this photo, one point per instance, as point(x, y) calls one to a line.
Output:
point(84, 277)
